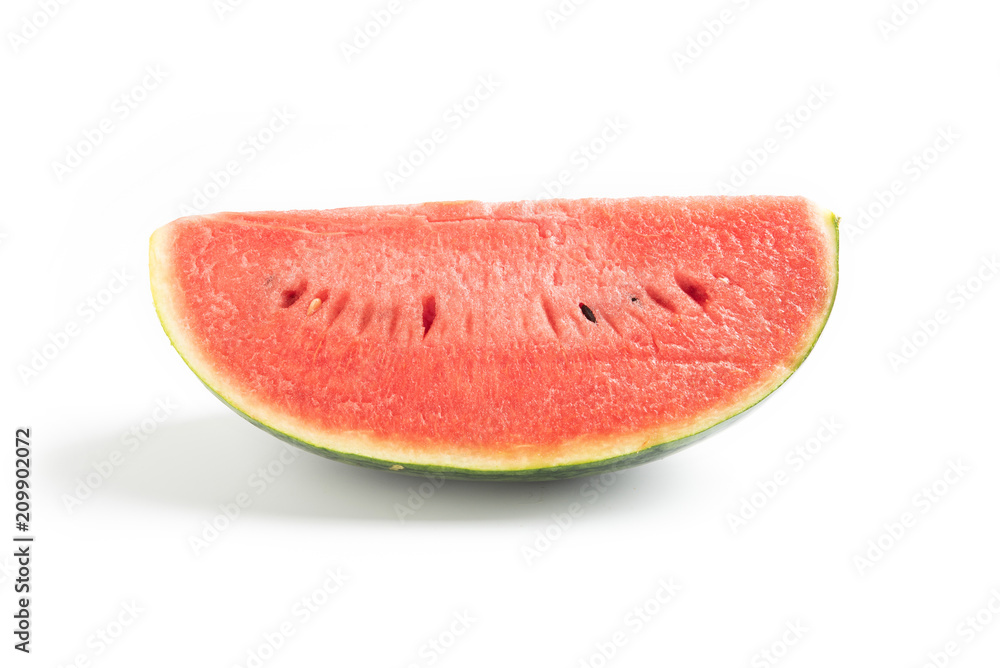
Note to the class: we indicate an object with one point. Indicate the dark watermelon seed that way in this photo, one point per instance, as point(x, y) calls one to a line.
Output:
point(633, 298)
point(587, 313)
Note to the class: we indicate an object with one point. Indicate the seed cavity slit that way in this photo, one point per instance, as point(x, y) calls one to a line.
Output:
point(549, 315)
point(339, 305)
point(429, 313)
point(291, 295)
point(659, 299)
point(614, 327)
point(394, 320)
point(697, 292)
point(366, 316)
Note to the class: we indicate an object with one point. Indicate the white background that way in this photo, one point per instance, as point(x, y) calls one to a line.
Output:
point(798, 562)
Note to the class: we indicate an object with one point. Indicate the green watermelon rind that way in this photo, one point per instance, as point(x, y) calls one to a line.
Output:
point(558, 472)
point(538, 474)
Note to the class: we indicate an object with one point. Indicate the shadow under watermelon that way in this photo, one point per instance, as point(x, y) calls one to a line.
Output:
point(208, 463)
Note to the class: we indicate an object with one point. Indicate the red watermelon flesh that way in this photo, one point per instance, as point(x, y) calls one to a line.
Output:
point(517, 339)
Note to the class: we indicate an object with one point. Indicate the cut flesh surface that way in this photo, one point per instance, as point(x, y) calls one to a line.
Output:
point(534, 339)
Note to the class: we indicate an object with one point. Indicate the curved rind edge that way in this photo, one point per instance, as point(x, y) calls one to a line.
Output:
point(527, 475)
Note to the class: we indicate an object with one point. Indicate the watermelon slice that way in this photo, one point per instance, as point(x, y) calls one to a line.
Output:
point(515, 340)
